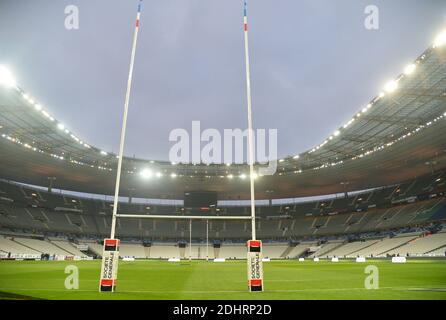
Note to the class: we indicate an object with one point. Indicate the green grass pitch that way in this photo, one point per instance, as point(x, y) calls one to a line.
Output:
point(417, 279)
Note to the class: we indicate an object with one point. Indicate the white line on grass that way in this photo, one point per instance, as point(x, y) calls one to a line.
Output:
point(223, 291)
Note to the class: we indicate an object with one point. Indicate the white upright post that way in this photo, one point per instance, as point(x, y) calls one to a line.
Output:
point(110, 257)
point(190, 239)
point(250, 129)
point(207, 239)
point(255, 268)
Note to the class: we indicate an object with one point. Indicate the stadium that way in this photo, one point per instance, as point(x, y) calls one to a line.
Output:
point(371, 194)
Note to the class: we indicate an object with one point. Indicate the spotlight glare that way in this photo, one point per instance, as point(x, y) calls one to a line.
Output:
point(391, 86)
point(440, 40)
point(6, 78)
point(409, 69)
point(146, 173)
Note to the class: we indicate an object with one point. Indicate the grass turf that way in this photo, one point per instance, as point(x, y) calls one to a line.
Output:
point(417, 279)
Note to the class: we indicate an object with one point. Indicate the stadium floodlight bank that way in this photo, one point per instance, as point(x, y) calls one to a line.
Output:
point(110, 256)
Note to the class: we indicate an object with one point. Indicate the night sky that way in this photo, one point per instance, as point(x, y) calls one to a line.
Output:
point(313, 64)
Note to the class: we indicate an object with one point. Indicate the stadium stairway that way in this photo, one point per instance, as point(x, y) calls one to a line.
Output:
point(432, 243)
point(96, 227)
point(26, 246)
point(38, 216)
point(11, 246)
point(323, 251)
point(287, 251)
point(400, 245)
point(62, 248)
point(96, 248)
point(373, 243)
point(147, 251)
point(436, 249)
point(301, 250)
point(440, 213)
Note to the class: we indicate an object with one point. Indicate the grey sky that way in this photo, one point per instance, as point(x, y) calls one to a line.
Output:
point(313, 64)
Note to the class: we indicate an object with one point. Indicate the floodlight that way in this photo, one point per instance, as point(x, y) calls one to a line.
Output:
point(6, 78)
point(146, 173)
point(440, 40)
point(391, 86)
point(409, 69)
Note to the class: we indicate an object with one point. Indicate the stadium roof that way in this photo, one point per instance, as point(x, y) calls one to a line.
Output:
point(399, 135)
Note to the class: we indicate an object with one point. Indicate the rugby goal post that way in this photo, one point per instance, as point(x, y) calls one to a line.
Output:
point(255, 264)
point(110, 252)
point(110, 257)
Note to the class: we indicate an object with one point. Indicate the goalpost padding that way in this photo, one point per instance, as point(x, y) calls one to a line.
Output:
point(255, 266)
point(109, 269)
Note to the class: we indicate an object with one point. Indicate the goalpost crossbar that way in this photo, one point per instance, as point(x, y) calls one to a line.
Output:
point(140, 216)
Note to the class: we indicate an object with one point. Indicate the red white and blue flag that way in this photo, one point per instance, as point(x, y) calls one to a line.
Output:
point(138, 14)
point(245, 16)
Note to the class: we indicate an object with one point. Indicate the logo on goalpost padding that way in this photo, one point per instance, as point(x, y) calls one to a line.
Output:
point(109, 270)
point(255, 266)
